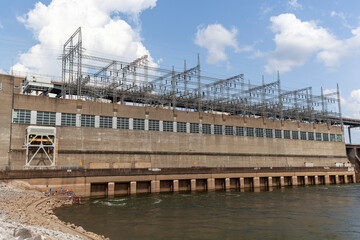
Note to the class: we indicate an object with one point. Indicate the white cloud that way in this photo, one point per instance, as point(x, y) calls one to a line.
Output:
point(353, 103)
point(215, 38)
point(102, 29)
point(342, 17)
point(296, 41)
point(294, 4)
point(2, 71)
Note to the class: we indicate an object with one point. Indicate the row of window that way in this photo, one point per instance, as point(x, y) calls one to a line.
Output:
point(68, 119)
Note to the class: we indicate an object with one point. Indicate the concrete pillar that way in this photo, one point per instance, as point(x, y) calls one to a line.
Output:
point(282, 181)
point(78, 120)
point(242, 183)
point(58, 119)
point(306, 180)
point(131, 123)
point(155, 186)
point(132, 187)
point(327, 179)
point(146, 125)
point(294, 181)
point(337, 179)
point(176, 185)
point(256, 181)
point(111, 189)
point(316, 180)
point(354, 178)
point(210, 184)
point(227, 183)
point(114, 122)
point(33, 116)
point(160, 126)
point(174, 126)
point(97, 121)
point(188, 127)
point(193, 184)
point(270, 181)
point(346, 179)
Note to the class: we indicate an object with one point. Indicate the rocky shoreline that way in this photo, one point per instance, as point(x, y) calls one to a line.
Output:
point(28, 214)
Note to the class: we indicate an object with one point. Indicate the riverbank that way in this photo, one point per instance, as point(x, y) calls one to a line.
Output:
point(28, 214)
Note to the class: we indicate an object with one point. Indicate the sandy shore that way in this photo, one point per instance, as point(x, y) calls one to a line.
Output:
point(27, 214)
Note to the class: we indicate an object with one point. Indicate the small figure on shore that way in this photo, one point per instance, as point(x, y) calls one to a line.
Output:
point(61, 190)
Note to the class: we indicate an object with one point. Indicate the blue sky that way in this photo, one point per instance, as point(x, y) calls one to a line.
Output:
point(312, 43)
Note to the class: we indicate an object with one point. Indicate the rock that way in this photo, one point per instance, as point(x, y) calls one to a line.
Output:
point(22, 233)
point(37, 237)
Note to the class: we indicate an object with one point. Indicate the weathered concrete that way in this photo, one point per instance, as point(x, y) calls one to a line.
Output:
point(175, 185)
point(111, 189)
point(211, 184)
point(133, 148)
point(133, 187)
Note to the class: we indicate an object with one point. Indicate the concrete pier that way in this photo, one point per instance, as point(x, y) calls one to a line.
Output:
point(111, 189)
point(306, 180)
point(155, 186)
point(210, 184)
point(242, 183)
point(117, 184)
point(193, 184)
point(316, 180)
point(270, 182)
point(175, 185)
point(282, 181)
point(256, 181)
point(227, 183)
point(132, 187)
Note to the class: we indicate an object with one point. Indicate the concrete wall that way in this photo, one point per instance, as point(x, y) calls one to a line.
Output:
point(137, 148)
point(9, 86)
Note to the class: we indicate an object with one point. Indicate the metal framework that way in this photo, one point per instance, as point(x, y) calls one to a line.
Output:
point(140, 82)
point(40, 147)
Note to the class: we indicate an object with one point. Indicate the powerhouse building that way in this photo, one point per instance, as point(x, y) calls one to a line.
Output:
point(91, 134)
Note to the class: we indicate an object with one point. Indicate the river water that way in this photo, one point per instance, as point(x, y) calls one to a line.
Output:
point(311, 212)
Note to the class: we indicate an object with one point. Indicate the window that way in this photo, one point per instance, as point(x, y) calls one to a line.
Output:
point(229, 130)
point(239, 131)
point(105, 122)
point(0, 85)
point(250, 132)
point(218, 129)
point(278, 133)
point(68, 119)
point(325, 137)
point(206, 129)
point(123, 123)
point(46, 118)
point(138, 124)
point(303, 135)
point(339, 138)
point(269, 133)
point(332, 138)
point(21, 116)
point(168, 126)
point(259, 132)
point(318, 136)
point(154, 125)
point(181, 127)
point(286, 134)
point(310, 135)
point(295, 135)
point(87, 120)
point(194, 127)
